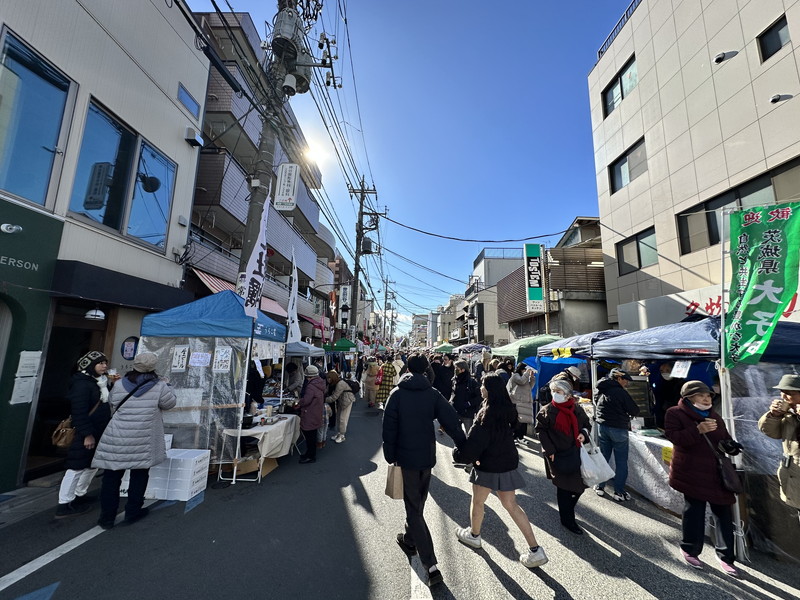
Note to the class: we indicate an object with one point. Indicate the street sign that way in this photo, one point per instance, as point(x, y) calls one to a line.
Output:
point(533, 278)
point(286, 190)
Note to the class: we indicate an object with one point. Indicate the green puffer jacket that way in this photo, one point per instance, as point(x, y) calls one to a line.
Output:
point(787, 429)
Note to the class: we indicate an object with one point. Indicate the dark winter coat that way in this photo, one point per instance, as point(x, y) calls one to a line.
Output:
point(693, 470)
point(83, 395)
point(466, 395)
point(444, 379)
point(787, 429)
point(553, 441)
point(310, 404)
point(490, 449)
point(409, 437)
point(615, 407)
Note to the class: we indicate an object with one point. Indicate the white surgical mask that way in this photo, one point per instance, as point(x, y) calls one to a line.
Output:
point(559, 398)
point(666, 376)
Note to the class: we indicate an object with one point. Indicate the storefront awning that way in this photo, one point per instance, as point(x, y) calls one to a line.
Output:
point(215, 284)
point(314, 322)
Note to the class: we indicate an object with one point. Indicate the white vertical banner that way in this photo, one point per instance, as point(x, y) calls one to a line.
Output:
point(293, 325)
point(251, 281)
point(286, 190)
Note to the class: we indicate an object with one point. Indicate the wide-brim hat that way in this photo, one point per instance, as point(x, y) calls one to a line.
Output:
point(789, 382)
point(690, 388)
point(575, 372)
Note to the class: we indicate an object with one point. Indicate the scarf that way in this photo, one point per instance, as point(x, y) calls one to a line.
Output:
point(702, 413)
point(566, 421)
point(102, 383)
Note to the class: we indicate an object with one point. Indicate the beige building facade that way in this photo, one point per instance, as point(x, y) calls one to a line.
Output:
point(694, 111)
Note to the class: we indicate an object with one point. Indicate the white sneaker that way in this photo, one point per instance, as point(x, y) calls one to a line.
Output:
point(464, 535)
point(338, 439)
point(598, 489)
point(534, 559)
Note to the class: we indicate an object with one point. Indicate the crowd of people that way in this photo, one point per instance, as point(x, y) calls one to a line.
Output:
point(486, 406)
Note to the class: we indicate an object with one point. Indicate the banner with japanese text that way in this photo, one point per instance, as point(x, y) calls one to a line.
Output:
point(765, 242)
point(250, 282)
point(533, 278)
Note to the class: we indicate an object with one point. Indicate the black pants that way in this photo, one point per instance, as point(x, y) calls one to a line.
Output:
point(693, 526)
point(566, 505)
point(109, 493)
point(415, 493)
point(310, 436)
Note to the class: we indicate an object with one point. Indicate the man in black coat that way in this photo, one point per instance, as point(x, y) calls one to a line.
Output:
point(409, 440)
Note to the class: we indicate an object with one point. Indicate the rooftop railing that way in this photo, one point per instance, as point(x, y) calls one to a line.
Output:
point(620, 24)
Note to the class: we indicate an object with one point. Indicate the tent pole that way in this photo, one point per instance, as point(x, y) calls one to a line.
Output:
point(593, 369)
point(242, 396)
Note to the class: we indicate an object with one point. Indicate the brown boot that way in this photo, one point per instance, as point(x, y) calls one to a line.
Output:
point(320, 444)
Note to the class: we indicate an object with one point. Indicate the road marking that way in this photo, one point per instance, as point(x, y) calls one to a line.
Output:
point(46, 559)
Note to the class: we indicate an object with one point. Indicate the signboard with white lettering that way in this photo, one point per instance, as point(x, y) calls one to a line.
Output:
point(533, 278)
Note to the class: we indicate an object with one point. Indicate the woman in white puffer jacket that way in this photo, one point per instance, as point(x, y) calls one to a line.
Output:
point(134, 439)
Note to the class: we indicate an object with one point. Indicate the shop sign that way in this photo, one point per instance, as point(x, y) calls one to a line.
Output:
point(286, 190)
point(128, 347)
point(764, 242)
point(533, 278)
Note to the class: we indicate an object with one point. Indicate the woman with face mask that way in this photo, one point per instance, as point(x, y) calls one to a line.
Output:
point(693, 472)
point(562, 427)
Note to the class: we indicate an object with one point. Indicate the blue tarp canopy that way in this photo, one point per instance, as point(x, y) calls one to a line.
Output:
point(578, 345)
point(219, 315)
point(694, 340)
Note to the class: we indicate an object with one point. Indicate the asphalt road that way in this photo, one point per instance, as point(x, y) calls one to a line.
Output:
point(326, 530)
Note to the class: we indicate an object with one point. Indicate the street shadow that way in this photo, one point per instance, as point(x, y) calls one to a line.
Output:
point(559, 591)
point(514, 589)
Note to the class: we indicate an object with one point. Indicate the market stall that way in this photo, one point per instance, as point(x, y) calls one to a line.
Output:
point(203, 349)
point(525, 347)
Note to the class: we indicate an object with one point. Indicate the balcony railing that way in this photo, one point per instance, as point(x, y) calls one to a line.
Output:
point(620, 24)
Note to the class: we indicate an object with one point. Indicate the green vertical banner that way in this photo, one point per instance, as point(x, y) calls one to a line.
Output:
point(765, 242)
point(533, 278)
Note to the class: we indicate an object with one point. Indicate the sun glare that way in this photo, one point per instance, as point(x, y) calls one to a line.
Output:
point(316, 154)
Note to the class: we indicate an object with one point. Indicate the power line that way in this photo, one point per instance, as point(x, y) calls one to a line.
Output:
point(457, 239)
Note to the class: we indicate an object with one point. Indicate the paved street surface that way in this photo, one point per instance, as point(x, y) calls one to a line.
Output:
point(327, 531)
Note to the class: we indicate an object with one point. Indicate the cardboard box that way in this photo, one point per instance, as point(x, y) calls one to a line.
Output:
point(182, 476)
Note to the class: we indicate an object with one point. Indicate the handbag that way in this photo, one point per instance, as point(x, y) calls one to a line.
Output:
point(394, 482)
point(567, 462)
point(594, 467)
point(727, 471)
point(64, 432)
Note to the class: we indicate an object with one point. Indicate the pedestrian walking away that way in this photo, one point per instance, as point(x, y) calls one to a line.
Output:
point(340, 394)
point(311, 412)
point(386, 377)
point(466, 395)
point(615, 408)
point(563, 426)
point(490, 446)
point(693, 472)
point(88, 400)
point(520, 390)
point(409, 441)
point(134, 438)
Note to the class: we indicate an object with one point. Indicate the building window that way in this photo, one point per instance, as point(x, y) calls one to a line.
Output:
point(34, 99)
point(623, 84)
point(629, 166)
point(700, 226)
point(774, 38)
point(192, 105)
point(637, 252)
point(105, 180)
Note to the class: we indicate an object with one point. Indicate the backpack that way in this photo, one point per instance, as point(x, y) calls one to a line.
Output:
point(355, 387)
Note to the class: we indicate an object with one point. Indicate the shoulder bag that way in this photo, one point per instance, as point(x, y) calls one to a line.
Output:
point(130, 394)
point(727, 471)
point(64, 433)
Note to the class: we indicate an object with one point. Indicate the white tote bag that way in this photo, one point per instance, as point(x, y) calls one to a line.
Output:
point(594, 468)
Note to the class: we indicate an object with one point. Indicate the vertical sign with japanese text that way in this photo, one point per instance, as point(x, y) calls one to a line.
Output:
point(764, 253)
point(251, 281)
point(533, 278)
point(286, 189)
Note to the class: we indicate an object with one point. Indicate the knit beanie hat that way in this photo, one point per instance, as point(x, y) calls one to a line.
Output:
point(88, 361)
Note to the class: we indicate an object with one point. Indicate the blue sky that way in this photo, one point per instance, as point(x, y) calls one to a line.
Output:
point(473, 123)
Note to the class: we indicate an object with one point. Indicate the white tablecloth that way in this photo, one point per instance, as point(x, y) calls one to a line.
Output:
point(648, 471)
point(273, 440)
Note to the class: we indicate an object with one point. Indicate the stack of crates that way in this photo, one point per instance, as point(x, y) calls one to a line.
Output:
point(182, 476)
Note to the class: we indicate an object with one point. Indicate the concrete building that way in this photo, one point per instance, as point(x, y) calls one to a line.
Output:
point(573, 275)
point(694, 109)
point(97, 173)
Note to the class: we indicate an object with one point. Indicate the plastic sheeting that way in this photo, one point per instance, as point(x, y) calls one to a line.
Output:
point(525, 347)
point(578, 345)
point(208, 374)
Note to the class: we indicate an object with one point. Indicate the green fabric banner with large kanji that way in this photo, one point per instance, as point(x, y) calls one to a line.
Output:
point(765, 242)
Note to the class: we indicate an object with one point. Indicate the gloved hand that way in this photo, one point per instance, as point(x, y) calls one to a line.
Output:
point(731, 447)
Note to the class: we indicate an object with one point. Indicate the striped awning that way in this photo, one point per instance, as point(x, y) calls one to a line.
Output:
point(215, 284)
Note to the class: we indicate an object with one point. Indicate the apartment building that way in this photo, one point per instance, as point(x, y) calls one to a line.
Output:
point(96, 181)
point(694, 110)
point(231, 132)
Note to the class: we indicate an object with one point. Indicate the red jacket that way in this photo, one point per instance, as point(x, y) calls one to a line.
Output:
point(693, 470)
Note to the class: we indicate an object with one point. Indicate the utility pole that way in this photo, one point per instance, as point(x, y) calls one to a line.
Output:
point(356, 295)
point(386, 297)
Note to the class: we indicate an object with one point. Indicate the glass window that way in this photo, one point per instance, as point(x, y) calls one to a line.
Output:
point(192, 105)
point(152, 197)
point(774, 38)
point(34, 98)
point(104, 168)
point(786, 183)
point(693, 230)
point(627, 168)
point(637, 252)
point(756, 193)
point(623, 84)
